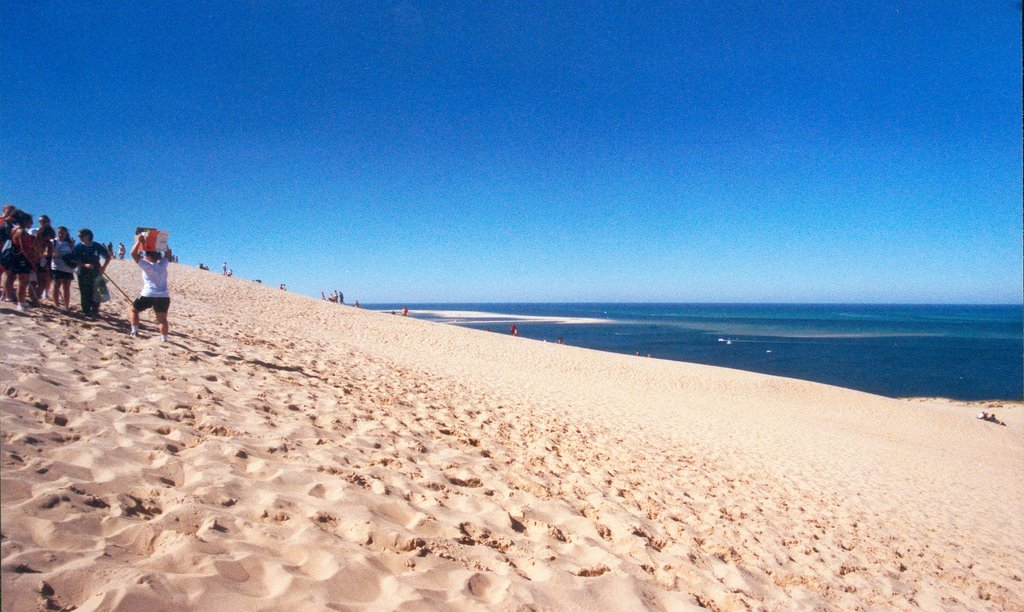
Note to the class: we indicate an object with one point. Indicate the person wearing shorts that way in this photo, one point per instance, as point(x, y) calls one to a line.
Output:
point(154, 294)
point(61, 272)
point(6, 276)
point(25, 255)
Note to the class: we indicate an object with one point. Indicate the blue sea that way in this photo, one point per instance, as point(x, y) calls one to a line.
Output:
point(960, 352)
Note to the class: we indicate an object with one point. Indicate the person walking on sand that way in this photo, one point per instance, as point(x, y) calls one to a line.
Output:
point(87, 254)
point(61, 272)
point(154, 287)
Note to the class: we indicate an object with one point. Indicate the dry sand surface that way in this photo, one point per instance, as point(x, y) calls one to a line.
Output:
point(286, 453)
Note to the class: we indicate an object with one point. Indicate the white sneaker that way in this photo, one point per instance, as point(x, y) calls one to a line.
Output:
point(22, 306)
point(133, 333)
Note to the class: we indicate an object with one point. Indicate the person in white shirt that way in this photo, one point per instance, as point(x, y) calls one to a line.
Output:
point(61, 272)
point(154, 287)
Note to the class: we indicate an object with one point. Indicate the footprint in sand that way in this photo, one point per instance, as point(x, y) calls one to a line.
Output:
point(488, 588)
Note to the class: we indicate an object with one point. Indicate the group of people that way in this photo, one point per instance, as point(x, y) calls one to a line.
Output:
point(42, 261)
point(37, 263)
point(335, 296)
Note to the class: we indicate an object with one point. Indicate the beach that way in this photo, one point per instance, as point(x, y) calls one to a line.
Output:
point(286, 452)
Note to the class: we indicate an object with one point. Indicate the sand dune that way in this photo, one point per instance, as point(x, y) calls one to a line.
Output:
point(287, 453)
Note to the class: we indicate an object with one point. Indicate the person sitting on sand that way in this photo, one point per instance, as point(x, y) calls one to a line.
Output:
point(154, 287)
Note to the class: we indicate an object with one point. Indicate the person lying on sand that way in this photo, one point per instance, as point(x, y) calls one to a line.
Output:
point(991, 418)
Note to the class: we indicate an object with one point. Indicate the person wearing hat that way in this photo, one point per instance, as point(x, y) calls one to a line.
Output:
point(154, 293)
point(87, 254)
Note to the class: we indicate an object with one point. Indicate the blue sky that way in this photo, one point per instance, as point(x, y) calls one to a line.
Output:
point(578, 151)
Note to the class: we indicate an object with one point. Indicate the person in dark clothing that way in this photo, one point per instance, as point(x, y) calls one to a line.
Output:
point(25, 258)
point(87, 255)
point(7, 226)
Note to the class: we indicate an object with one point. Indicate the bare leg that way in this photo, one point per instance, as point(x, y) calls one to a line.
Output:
point(62, 287)
point(9, 285)
point(161, 320)
point(23, 283)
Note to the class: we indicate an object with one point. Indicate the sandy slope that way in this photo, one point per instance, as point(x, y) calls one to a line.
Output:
point(281, 452)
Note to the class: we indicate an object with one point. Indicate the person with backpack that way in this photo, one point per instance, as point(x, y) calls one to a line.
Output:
point(87, 255)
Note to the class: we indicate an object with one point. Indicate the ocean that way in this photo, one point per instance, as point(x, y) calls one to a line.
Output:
point(973, 352)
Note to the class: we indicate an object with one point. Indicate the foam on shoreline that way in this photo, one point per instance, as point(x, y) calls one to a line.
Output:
point(473, 316)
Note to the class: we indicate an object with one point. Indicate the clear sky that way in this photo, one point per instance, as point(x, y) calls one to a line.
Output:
point(534, 151)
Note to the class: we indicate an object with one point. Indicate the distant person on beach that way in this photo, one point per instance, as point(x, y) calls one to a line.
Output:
point(225, 268)
point(87, 255)
point(154, 287)
point(120, 250)
point(990, 417)
point(513, 330)
point(405, 311)
point(281, 287)
point(61, 272)
point(341, 298)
